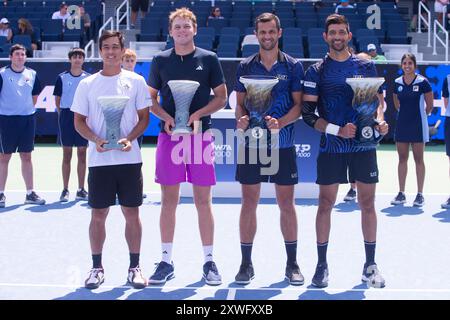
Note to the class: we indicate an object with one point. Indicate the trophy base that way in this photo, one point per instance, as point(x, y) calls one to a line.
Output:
point(113, 146)
point(186, 130)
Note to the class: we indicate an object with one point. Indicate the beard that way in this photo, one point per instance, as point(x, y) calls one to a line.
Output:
point(339, 47)
point(268, 46)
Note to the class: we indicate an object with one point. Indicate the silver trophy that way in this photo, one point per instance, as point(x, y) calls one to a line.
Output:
point(182, 91)
point(365, 102)
point(258, 101)
point(113, 107)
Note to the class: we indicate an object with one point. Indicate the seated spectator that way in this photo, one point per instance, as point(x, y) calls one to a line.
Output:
point(372, 51)
point(415, 15)
point(5, 30)
point(25, 28)
point(215, 13)
point(344, 4)
point(62, 13)
point(439, 8)
point(81, 14)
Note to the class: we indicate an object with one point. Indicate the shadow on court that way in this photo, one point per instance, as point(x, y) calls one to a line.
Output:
point(443, 216)
point(154, 292)
point(52, 206)
point(316, 294)
point(347, 207)
point(10, 208)
point(398, 211)
point(85, 294)
point(298, 202)
point(259, 294)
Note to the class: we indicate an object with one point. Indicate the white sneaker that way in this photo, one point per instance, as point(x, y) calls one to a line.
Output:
point(95, 279)
point(136, 279)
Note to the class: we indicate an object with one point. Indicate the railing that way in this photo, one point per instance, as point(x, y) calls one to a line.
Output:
point(110, 21)
point(425, 21)
point(445, 17)
point(125, 15)
point(436, 37)
point(104, 11)
point(90, 45)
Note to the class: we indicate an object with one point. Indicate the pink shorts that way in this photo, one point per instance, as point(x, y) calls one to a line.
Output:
point(187, 158)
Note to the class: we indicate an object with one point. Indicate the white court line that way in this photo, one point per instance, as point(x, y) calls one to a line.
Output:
point(231, 294)
point(231, 289)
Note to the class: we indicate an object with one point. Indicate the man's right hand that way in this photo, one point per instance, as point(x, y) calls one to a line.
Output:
point(168, 125)
point(348, 131)
point(99, 142)
point(243, 122)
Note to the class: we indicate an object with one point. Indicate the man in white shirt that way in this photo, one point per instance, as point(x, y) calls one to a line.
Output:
point(62, 13)
point(114, 172)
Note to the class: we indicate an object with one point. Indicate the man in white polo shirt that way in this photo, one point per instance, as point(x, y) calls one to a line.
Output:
point(114, 172)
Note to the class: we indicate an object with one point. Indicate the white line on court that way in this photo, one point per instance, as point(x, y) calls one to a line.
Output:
point(231, 294)
point(232, 290)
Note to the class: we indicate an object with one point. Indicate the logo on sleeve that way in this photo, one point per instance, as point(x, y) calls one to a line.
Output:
point(310, 84)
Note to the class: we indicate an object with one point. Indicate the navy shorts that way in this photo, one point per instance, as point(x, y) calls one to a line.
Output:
point(360, 166)
point(139, 4)
point(124, 180)
point(285, 167)
point(67, 135)
point(17, 133)
point(447, 135)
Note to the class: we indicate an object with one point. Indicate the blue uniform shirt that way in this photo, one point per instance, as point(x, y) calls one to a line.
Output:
point(445, 94)
point(326, 79)
point(65, 87)
point(412, 121)
point(290, 75)
point(17, 90)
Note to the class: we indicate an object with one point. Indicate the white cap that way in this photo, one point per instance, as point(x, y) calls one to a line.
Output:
point(4, 21)
point(371, 46)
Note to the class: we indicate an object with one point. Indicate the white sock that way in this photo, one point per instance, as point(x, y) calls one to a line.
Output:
point(29, 192)
point(166, 249)
point(208, 251)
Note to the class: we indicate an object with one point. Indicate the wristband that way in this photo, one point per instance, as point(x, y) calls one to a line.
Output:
point(332, 129)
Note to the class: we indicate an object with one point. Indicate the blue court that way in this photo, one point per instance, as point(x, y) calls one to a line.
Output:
point(45, 252)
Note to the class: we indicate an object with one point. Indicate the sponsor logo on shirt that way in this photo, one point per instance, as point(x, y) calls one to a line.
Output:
point(199, 68)
point(400, 89)
point(310, 84)
point(282, 77)
point(416, 88)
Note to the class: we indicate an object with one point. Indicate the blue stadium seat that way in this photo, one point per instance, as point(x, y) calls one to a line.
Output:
point(318, 51)
point(249, 49)
point(294, 49)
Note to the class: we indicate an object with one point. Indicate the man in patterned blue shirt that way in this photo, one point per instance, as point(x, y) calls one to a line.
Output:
point(283, 112)
point(325, 89)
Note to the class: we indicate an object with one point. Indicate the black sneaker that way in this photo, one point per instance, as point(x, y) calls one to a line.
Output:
point(33, 198)
point(419, 201)
point(211, 274)
point(245, 274)
point(320, 278)
point(293, 275)
point(351, 195)
point(64, 197)
point(162, 274)
point(399, 199)
point(372, 277)
point(2, 200)
point(82, 195)
point(445, 205)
